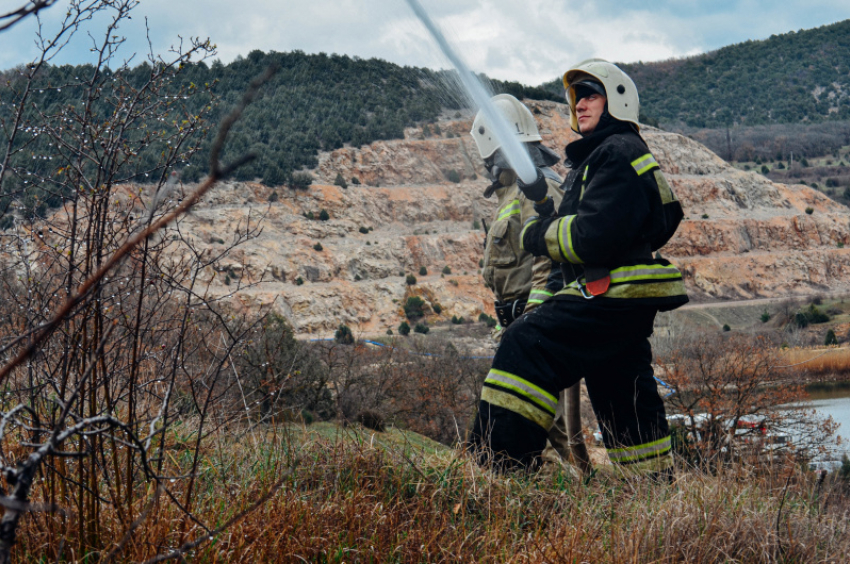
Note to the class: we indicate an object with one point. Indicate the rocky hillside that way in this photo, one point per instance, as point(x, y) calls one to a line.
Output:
point(744, 236)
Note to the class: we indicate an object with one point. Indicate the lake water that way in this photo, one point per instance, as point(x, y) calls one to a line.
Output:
point(835, 402)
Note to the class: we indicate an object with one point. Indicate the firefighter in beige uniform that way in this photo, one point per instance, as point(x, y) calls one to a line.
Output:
point(519, 280)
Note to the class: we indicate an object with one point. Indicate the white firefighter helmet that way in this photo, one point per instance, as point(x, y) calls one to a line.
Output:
point(621, 92)
point(519, 120)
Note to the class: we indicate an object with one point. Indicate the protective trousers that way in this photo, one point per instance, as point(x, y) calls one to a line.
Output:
point(552, 348)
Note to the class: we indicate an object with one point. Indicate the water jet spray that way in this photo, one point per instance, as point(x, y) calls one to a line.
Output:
point(511, 147)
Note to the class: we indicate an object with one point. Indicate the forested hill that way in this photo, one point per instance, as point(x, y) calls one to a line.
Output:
point(796, 77)
point(312, 103)
point(320, 102)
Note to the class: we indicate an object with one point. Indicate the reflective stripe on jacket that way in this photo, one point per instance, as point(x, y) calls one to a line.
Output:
point(612, 213)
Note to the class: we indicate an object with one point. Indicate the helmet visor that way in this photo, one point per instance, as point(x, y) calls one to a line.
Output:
point(587, 87)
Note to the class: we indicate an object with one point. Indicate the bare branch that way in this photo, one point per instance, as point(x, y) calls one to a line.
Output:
point(31, 8)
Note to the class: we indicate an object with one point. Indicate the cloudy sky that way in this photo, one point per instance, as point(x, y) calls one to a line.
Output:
point(530, 41)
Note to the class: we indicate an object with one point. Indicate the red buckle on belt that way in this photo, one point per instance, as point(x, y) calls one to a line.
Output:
point(599, 287)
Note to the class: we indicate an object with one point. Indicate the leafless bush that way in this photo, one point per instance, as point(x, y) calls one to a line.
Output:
point(429, 387)
point(282, 378)
point(113, 347)
point(735, 398)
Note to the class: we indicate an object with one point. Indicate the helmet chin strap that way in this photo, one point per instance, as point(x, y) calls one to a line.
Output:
point(494, 173)
point(496, 165)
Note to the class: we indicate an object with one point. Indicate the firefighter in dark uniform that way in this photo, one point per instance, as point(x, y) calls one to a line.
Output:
point(617, 209)
point(519, 280)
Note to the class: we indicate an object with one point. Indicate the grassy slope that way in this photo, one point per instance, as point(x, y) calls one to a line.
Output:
point(344, 495)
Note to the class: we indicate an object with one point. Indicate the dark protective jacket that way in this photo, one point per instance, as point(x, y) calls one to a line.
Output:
point(616, 210)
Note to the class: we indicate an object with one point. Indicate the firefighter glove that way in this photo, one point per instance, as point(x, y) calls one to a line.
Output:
point(545, 208)
point(536, 191)
point(532, 236)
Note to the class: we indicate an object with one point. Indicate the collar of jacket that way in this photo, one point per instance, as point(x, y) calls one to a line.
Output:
point(579, 149)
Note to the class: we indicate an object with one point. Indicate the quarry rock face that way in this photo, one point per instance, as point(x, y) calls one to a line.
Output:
point(419, 204)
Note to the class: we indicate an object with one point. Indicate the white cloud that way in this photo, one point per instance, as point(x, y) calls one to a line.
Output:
point(529, 41)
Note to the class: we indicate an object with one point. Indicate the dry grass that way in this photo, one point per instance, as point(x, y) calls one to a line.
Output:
point(353, 496)
point(818, 361)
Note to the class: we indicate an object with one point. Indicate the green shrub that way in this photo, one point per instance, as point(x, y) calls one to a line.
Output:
point(404, 328)
point(453, 176)
point(273, 176)
point(490, 321)
point(309, 215)
point(273, 197)
point(830, 339)
point(810, 211)
point(726, 327)
point(340, 181)
point(363, 230)
point(447, 270)
point(810, 316)
point(324, 215)
point(300, 180)
point(410, 280)
point(421, 328)
point(705, 216)
point(423, 271)
point(765, 316)
point(318, 247)
point(414, 307)
point(355, 181)
point(299, 281)
point(457, 320)
point(343, 335)
point(815, 315)
point(438, 309)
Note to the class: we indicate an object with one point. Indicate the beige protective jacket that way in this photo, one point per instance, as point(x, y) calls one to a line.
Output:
point(508, 270)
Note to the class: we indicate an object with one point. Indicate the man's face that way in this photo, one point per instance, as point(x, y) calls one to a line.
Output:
point(588, 111)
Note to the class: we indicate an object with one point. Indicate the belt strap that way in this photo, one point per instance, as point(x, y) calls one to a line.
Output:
point(507, 312)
